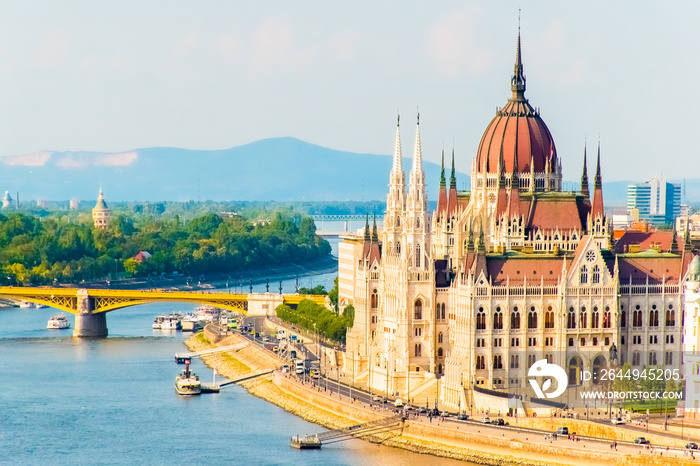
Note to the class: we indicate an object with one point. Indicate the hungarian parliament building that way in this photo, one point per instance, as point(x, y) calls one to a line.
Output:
point(512, 272)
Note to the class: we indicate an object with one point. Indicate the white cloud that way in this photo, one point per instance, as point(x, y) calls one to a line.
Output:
point(35, 159)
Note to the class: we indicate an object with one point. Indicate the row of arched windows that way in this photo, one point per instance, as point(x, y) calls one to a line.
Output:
point(583, 318)
point(653, 319)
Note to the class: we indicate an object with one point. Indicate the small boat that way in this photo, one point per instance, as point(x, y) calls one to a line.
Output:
point(307, 442)
point(158, 322)
point(40, 306)
point(58, 322)
point(26, 304)
point(187, 383)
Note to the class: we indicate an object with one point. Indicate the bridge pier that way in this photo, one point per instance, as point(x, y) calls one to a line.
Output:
point(88, 324)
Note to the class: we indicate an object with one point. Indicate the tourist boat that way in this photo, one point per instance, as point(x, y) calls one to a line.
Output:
point(158, 322)
point(187, 383)
point(191, 323)
point(171, 322)
point(26, 304)
point(208, 313)
point(58, 322)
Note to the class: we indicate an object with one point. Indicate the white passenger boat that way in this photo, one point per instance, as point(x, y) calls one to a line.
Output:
point(158, 322)
point(58, 322)
point(26, 304)
point(187, 383)
point(171, 322)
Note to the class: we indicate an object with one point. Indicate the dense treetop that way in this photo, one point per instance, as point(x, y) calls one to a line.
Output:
point(66, 247)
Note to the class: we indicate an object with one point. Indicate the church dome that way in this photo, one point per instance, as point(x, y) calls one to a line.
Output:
point(517, 132)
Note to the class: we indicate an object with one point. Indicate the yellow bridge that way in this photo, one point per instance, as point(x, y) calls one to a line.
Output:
point(91, 305)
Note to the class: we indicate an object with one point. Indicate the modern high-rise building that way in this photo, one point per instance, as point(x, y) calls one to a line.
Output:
point(656, 200)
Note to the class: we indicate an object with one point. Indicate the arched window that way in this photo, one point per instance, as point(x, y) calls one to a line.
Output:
point(653, 317)
point(418, 310)
point(670, 318)
point(583, 320)
point(584, 274)
point(549, 319)
point(514, 361)
point(481, 319)
point(571, 318)
point(418, 255)
point(442, 314)
point(636, 359)
point(439, 352)
point(440, 337)
point(480, 362)
point(596, 318)
point(515, 318)
point(532, 318)
point(595, 275)
point(398, 246)
point(497, 362)
point(439, 368)
point(374, 299)
point(623, 319)
point(637, 318)
point(607, 318)
point(498, 319)
point(417, 350)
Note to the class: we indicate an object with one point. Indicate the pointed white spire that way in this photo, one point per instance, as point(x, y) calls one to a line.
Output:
point(397, 167)
point(417, 166)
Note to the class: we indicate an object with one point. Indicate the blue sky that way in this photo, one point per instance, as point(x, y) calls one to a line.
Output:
point(114, 76)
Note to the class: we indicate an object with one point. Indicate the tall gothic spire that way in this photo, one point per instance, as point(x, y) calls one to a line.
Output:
point(375, 235)
point(597, 206)
point(443, 182)
point(397, 166)
point(584, 176)
point(517, 83)
point(453, 175)
point(367, 236)
point(417, 166)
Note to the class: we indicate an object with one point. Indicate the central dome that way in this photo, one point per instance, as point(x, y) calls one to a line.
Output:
point(518, 133)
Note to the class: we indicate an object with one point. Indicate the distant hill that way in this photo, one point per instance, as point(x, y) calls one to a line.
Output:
point(280, 169)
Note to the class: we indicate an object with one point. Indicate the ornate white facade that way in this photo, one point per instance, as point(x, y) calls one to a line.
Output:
point(510, 273)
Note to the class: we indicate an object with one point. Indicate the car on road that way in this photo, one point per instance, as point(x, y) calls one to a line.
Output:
point(641, 441)
point(445, 414)
point(409, 408)
point(462, 417)
point(692, 446)
point(377, 398)
point(562, 431)
point(486, 420)
point(398, 403)
point(266, 338)
point(422, 410)
point(498, 422)
point(617, 421)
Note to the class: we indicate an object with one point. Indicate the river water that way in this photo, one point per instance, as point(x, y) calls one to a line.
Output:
point(112, 401)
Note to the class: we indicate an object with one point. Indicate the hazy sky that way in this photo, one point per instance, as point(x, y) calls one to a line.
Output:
point(114, 76)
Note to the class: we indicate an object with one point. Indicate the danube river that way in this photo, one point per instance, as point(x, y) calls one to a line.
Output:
point(112, 401)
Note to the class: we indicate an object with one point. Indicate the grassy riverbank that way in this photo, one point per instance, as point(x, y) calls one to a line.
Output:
point(251, 359)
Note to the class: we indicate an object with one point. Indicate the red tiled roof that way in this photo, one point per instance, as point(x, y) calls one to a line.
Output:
point(547, 213)
point(655, 267)
point(504, 270)
point(645, 240)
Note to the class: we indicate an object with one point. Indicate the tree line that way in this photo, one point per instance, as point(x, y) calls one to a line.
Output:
point(60, 248)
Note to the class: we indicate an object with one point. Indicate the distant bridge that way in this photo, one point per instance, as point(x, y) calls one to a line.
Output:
point(91, 305)
point(324, 230)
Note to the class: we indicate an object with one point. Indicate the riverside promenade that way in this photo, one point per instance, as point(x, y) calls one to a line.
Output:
point(475, 442)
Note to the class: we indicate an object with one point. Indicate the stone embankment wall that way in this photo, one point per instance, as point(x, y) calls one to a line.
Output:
point(331, 412)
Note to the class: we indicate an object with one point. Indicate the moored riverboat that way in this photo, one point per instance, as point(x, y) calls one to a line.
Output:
point(187, 383)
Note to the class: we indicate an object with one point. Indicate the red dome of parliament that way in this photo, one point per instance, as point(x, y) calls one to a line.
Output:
point(517, 132)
